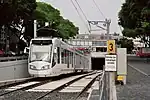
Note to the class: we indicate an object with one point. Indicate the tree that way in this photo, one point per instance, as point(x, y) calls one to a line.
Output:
point(134, 17)
point(126, 43)
point(14, 15)
point(16, 12)
point(58, 26)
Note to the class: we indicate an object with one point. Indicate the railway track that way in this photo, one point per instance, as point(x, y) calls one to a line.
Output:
point(79, 95)
point(16, 82)
point(72, 83)
point(21, 87)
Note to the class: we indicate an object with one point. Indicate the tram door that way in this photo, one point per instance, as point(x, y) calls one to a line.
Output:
point(54, 61)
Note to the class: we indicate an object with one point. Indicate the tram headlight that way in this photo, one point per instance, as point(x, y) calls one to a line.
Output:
point(32, 67)
point(45, 67)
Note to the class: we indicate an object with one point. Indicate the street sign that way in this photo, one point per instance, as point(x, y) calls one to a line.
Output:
point(110, 63)
point(111, 46)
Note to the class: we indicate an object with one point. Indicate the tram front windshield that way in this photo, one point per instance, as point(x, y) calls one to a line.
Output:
point(40, 52)
point(40, 56)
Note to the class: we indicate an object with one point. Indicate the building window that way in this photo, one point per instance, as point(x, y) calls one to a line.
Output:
point(74, 43)
point(86, 43)
point(105, 44)
point(78, 43)
point(93, 43)
point(82, 43)
point(90, 43)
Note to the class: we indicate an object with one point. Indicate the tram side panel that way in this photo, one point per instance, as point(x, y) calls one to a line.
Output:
point(86, 64)
point(81, 63)
point(77, 62)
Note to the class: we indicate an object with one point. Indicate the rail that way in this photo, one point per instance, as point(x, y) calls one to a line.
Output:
point(4, 59)
point(103, 91)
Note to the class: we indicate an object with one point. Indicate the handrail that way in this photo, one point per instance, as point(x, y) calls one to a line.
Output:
point(2, 59)
point(101, 86)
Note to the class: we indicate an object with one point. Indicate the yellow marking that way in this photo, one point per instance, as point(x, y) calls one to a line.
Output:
point(111, 46)
point(120, 78)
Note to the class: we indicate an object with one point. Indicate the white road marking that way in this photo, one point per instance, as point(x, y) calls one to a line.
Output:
point(138, 70)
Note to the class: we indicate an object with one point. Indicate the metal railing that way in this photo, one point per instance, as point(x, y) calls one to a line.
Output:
point(102, 87)
point(4, 59)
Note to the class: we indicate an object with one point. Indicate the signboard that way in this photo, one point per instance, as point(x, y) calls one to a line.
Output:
point(110, 63)
point(120, 78)
point(111, 46)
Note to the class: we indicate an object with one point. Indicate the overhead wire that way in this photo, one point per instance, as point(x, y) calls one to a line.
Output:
point(84, 13)
point(80, 15)
point(81, 10)
point(99, 9)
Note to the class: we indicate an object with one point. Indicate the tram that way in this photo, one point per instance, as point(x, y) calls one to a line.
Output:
point(52, 57)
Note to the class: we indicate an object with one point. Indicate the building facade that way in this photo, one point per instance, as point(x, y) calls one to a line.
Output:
point(94, 42)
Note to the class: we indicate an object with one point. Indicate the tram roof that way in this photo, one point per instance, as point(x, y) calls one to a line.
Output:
point(44, 38)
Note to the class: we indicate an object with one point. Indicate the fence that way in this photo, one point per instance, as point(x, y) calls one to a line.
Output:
point(107, 88)
point(4, 59)
point(103, 88)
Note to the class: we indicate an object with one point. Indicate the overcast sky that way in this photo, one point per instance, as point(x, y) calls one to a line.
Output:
point(109, 8)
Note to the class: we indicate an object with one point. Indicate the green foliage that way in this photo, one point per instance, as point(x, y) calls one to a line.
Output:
point(134, 17)
point(129, 32)
point(126, 43)
point(63, 27)
point(45, 12)
point(15, 14)
point(13, 11)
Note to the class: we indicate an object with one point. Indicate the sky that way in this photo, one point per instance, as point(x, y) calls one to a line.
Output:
point(109, 8)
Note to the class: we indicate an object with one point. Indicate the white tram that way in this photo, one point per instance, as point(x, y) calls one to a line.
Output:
point(52, 56)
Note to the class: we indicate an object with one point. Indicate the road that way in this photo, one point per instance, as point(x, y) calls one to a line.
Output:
point(142, 66)
point(138, 82)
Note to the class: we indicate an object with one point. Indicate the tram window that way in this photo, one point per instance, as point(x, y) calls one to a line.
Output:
point(42, 42)
point(64, 56)
point(58, 55)
point(53, 62)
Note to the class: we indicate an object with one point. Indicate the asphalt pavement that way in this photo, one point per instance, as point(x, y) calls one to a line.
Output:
point(143, 66)
point(138, 82)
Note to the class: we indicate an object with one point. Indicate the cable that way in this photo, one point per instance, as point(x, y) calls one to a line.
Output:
point(79, 15)
point(99, 9)
point(81, 10)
